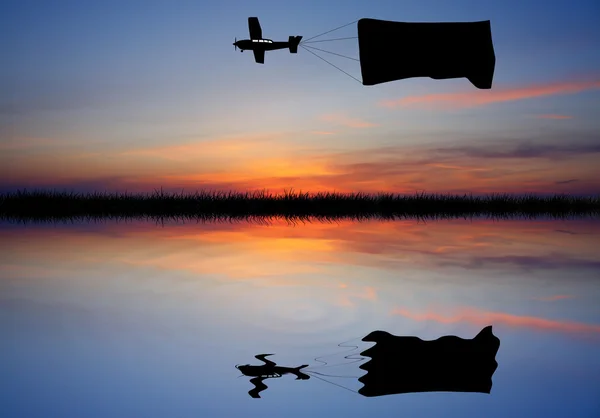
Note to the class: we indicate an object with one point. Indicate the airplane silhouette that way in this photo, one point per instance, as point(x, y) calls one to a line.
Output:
point(259, 45)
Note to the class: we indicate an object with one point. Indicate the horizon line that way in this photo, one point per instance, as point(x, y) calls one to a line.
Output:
point(265, 192)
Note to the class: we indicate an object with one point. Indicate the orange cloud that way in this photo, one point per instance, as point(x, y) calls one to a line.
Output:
point(458, 167)
point(243, 250)
point(553, 116)
point(485, 97)
point(304, 161)
point(281, 255)
point(246, 145)
point(275, 169)
point(341, 119)
point(323, 133)
point(347, 298)
point(482, 318)
point(273, 164)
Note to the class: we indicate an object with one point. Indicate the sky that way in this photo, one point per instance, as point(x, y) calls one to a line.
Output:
point(138, 95)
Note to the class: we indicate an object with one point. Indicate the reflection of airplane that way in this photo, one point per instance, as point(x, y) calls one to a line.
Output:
point(268, 370)
point(403, 364)
point(258, 45)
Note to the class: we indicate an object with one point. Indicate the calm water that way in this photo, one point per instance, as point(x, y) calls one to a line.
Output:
point(139, 320)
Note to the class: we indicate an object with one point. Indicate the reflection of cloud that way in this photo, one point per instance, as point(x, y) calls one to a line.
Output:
point(558, 117)
point(526, 263)
point(252, 250)
point(321, 259)
point(348, 295)
point(242, 251)
point(482, 318)
point(554, 298)
point(497, 95)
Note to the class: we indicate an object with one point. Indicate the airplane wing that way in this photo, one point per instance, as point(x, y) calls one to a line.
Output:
point(254, 27)
point(259, 56)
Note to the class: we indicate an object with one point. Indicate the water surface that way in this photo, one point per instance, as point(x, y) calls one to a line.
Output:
point(140, 319)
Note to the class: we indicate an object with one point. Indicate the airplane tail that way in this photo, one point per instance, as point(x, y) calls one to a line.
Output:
point(294, 41)
point(298, 372)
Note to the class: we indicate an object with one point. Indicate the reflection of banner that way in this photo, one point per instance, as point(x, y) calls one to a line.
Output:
point(448, 364)
point(397, 50)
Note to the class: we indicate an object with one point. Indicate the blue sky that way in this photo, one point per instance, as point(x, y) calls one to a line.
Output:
point(136, 95)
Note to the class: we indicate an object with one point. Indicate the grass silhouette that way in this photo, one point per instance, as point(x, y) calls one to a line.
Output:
point(213, 205)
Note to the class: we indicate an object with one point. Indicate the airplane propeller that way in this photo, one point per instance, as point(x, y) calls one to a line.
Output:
point(234, 44)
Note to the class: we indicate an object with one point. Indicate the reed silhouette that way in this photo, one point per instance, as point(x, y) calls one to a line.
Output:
point(207, 206)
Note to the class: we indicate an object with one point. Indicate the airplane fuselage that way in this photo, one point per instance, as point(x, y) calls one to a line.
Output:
point(261, 45)
point(269, 370)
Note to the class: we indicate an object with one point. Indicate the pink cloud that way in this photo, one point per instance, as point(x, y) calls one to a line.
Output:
point(482, 318)
point(476, 98)
point(553, 116)
point(554, 298)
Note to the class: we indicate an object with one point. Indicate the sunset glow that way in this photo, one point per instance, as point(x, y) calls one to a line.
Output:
point(185, 114)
